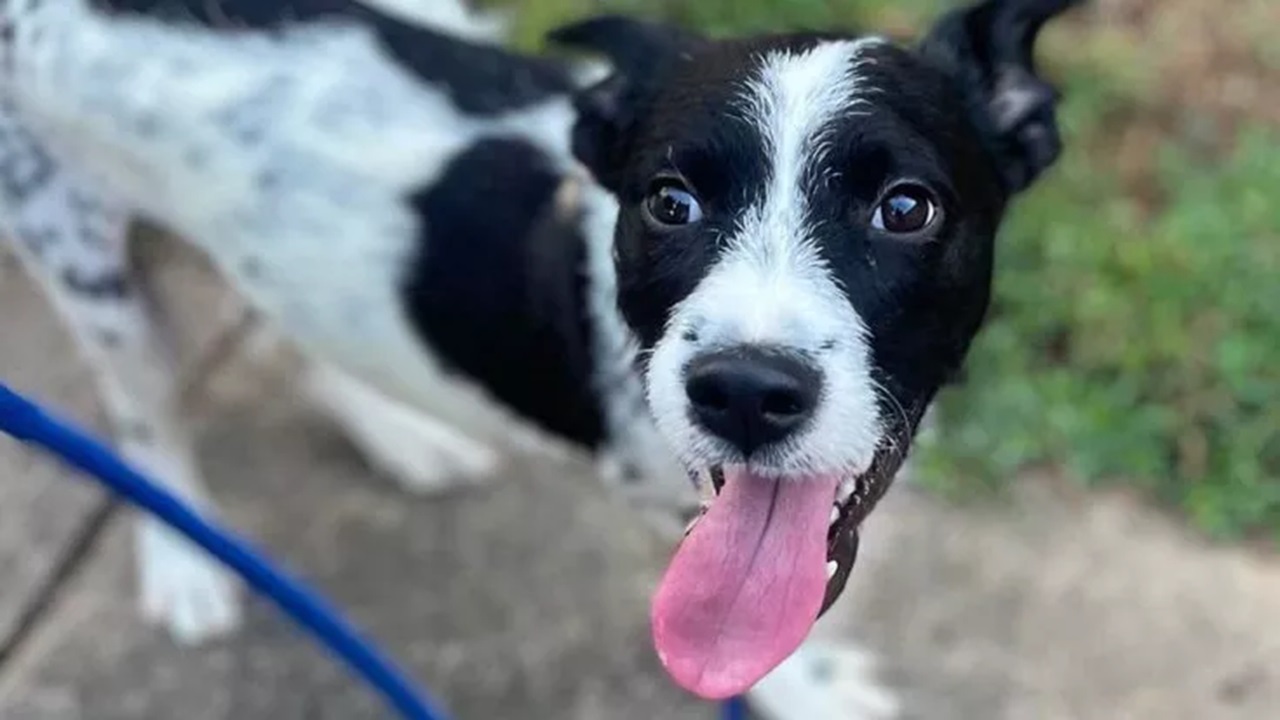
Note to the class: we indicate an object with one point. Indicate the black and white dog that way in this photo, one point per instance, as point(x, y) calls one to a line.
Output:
point(779, 249)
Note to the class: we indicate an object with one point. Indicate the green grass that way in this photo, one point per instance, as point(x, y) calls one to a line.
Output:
point(1135, 333)
point(1137, 350)
point(719, 17)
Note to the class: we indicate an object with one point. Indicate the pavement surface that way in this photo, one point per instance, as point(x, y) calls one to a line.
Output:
point(528, 600)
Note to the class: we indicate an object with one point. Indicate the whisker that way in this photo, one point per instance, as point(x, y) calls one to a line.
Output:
point(895, 445)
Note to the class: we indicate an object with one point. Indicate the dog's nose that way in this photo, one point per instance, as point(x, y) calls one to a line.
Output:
point(751, 396)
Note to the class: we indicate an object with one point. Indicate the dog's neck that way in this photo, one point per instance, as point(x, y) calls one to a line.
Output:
point(635, 454)
point(499, 289)
point(514, 287)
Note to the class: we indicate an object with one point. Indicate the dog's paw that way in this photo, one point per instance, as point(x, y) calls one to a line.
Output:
point(184, 590)
point(826, 680)
point(422, 454)
point(425, 467)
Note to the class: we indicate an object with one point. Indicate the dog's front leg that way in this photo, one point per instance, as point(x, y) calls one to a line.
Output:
point(425, 455)
point(72, 240)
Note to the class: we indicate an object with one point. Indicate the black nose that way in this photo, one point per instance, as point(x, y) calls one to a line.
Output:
point(751, 396)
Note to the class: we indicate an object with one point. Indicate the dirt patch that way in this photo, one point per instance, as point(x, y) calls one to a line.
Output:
point(1193, 74)
point(1061, 604)
point(1211, 57)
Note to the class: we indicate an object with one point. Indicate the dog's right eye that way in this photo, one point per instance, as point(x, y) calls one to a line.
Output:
point(671, 204)
point(907, 209)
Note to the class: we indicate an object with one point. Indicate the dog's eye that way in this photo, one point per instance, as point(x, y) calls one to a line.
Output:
point(670, 203)
point(905, 209)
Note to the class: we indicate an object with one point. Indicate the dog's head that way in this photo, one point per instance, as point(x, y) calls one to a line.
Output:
point(804, 250)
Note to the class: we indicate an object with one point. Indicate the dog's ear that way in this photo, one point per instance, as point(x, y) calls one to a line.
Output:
point(641, 54)
point(991, 47)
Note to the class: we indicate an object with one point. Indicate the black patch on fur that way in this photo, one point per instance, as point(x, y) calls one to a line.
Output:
point(480, 79)
point(38, 239)
point(195, 158)
point(251, 268)
point(111, 285)
point(989, 50)
point(922, 301)
point(693, 125)
point(135, 431)
point(24, 165)
point(498, 289)
point(91, 216)
point(109, 338)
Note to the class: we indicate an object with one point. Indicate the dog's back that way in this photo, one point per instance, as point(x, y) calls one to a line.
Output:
point(439, 42)
point(499, 286)
point(295, 140)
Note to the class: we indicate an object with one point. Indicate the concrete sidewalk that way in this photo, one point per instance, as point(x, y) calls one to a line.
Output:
point(530, 600)
point(502, 615)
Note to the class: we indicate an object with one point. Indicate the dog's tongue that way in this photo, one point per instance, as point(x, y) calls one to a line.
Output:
point(747, 584)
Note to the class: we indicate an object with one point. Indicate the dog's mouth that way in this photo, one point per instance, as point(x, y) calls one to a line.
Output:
point(764, 559)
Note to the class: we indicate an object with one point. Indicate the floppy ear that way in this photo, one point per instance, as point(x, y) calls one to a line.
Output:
point(641, 54)
point(991, 47)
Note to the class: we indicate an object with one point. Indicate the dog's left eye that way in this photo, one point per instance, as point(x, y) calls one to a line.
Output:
point(672, 204)
point(906, 209)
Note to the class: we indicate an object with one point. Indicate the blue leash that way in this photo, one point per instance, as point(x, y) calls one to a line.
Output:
point(26, 421)
point(735, 709)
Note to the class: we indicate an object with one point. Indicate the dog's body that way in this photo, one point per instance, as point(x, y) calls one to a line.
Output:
point(783, 248)
point(359, 190)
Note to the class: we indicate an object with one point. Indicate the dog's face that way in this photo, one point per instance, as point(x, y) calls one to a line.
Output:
point(804, 250)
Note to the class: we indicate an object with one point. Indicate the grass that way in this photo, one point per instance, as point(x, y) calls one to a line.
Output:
point(1135, 334)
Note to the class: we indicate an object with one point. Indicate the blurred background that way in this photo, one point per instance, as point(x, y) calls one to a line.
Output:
point(1090, 531)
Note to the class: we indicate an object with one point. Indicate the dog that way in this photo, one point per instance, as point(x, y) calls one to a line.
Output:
point(737, 266)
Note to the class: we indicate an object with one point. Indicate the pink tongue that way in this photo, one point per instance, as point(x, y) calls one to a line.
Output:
point(747, 584)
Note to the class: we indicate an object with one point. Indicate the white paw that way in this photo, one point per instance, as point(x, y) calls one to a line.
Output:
point(826, 680)
point(426, 456)
point(183, 589)
point(423, 454)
